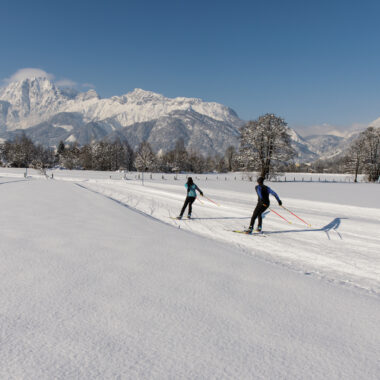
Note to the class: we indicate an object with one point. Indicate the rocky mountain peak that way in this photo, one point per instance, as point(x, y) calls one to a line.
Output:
point(49, 114)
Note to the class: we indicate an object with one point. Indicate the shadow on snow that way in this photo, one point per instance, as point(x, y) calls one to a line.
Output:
point(20, 180)
point(332, 226)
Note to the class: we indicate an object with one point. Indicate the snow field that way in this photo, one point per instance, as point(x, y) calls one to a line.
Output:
point(342, 244)
point(92, 289)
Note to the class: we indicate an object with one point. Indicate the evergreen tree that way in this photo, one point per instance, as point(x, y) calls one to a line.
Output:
point(60, 147)
point(86, 157)
point(70, 157)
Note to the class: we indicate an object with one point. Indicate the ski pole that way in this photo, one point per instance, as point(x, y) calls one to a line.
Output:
point(200, 200)
point(308, 224)
point(280, 215)
point(212, 201)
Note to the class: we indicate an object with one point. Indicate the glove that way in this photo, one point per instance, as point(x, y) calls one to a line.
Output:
point(201, 193)
point(280, 203)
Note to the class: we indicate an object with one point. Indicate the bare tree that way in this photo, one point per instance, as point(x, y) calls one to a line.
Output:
point(145, 158)
point(356, 156)
point(20, 152)
point(230, 156)
point(363, 155)
point(197, 162)
point(265, 144)
point(372, 153)
point(176, 159)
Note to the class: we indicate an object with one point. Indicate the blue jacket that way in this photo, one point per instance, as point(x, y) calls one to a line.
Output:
point(263, 194)
point(191, 190)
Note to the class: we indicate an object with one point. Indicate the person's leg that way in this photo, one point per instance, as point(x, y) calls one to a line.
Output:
point(184, 206)
point(260, 217)
point(191, 201)
point(254, 216)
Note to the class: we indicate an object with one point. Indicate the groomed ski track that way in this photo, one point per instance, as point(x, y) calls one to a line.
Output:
point(90, 289)
point(341, 245)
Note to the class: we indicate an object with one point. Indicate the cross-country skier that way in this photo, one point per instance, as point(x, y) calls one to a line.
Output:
point(191, 196)
point(262, 204)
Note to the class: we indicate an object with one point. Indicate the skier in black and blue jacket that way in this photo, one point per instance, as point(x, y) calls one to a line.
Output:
point(192, 189)
point(262, 204)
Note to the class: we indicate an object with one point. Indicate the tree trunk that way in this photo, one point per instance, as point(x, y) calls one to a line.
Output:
point(356, 170)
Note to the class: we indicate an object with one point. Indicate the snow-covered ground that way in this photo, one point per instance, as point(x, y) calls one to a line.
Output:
point(90, 288)
point(341, 245)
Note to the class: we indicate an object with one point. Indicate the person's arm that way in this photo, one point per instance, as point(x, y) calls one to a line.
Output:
point(275, 195)
point(200, 191)
point(258, 191)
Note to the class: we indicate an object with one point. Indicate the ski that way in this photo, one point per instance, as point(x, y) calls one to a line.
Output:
point(247, 233)
point(176, 218)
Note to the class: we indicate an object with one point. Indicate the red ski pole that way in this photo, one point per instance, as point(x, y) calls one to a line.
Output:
point(212, 201)
point(308, 224)
point(280, 215)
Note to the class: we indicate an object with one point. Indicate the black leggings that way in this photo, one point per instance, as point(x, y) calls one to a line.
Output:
point(257, 213)
point(188, 201)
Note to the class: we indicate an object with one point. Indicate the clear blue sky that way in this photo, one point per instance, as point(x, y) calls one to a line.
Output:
point(311, 62)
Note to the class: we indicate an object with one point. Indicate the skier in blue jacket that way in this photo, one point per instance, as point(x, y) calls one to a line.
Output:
point(262, 204)
point(191, 196)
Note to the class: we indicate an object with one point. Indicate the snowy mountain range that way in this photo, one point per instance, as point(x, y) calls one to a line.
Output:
point(49, 114)
point(330, 146)
point(376, 123)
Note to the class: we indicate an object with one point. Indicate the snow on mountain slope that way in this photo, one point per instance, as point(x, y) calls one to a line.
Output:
point(139, 106)
point(30, 101)
point(303, 150)
point(33, 105)
point(36, 99)
point(329, 146)
point(324, 143)
point(202, 133)
point(68, 127)
point(375, 123)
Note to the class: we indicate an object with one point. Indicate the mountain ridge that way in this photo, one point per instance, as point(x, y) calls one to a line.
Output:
point(49, 114)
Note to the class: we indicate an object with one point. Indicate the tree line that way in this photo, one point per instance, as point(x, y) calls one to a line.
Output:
point(265, 147)
point(110, 156)
point(361, 157)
